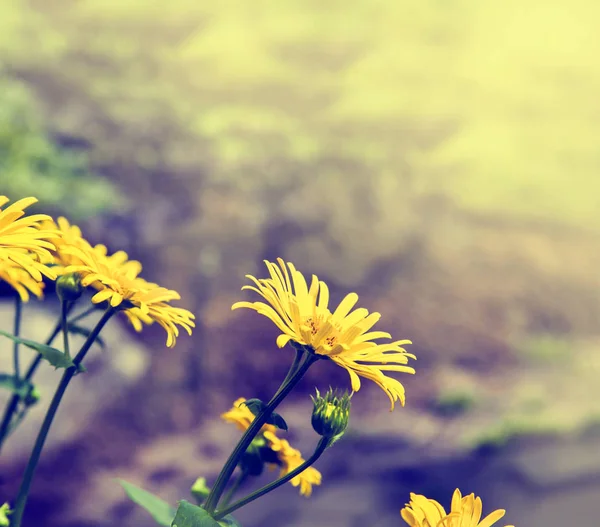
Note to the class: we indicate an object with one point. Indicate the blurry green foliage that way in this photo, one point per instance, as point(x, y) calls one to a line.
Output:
point(504, 93)
point(32, 164)
point(455, 402)
point(546, 348)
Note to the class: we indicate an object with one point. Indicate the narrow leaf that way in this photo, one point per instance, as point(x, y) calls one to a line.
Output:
point(159, 509)
point(256, 406)
point(54, 356)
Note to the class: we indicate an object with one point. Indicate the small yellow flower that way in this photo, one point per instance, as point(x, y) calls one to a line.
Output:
point(68, 236)
point(24, 241)
point(20, 280)
point(465, 512)
point(117, 281)
point(288, 458)
point(303, 316)
point(241, 416)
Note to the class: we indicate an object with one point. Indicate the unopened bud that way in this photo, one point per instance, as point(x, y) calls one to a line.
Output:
point(68, 287)
point(4, 512)
point(32, 397)
point(200, 490)
point(331, 414)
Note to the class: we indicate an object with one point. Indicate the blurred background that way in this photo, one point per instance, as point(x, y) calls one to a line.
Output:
point(439, 158)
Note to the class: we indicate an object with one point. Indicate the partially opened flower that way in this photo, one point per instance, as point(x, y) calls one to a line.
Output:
point(287, 458)
point(116, 279)
point(465, 512)
point(302, 315)
point(23, 240)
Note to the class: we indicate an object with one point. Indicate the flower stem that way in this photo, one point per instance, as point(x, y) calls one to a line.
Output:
point(21, 500)
point(11, 407)
point(16, 331)
point(243, 475)
point(219, 514)
point(254, 428)
point(64, 310)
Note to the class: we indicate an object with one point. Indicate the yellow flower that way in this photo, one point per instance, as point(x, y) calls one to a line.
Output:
point(68, 236)
point(465, 512)
point(303, 316)
point(288, 458)
point(23, 240)
point(20, 280)
point(241, 416)
point(117, 281)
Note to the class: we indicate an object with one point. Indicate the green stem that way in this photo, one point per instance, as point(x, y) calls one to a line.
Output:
point(293, 367)
point(11, 407)
point(243, 475)
point(254, 428)
point(21, 500)
point(219, 514)
point(64, 310)
point(16, 331)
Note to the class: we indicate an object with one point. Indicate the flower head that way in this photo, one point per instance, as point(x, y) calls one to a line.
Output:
point(290, 459)
point(20, 280)
point(24, 242)
point(331, 415)
point(116, 279)
point(286, 457)
point(68, 236)
point(302, 315)
point(465, 512)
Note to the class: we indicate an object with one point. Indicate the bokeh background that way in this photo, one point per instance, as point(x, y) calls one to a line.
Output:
point(439, 158)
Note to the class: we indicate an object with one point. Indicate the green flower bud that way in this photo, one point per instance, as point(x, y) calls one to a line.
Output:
point(68, 287)
point(32, 397)
point(200, 490)
point(331, 414)
point(4, 512)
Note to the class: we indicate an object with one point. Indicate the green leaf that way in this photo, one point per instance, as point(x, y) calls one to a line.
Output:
point(159, 509)
point(20, 387)
point(189, 515)
point(85, 332)
point(54, 356)
point(278, 421)
point(256, 406)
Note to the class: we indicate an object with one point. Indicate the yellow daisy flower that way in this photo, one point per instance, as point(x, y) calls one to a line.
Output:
point(23, 241)
point(288, 458)
point(241, 416)
point(20, 280)
point(117, 281)
point(465, 512)
point(303, 316)
point(68, 236)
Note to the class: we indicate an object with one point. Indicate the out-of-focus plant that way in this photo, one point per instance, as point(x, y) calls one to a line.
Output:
point(31, 161)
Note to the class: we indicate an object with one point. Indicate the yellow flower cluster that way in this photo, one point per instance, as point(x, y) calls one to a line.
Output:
point(302, 314)
point(465, 512)
point(36, 245)
point(288, 458)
